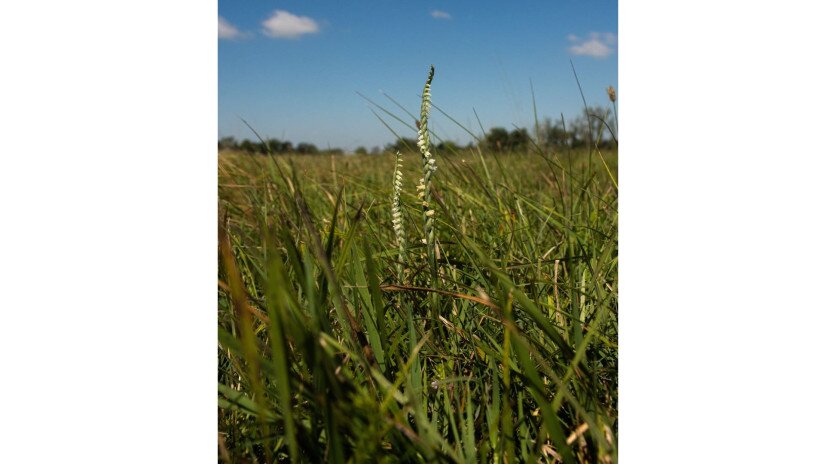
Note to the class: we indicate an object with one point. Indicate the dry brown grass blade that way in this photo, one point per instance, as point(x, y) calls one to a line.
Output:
point(243, 314)
point(255, 311)
point(222, 451)
point(463, 296)
point(237, 292)
point(577, 433)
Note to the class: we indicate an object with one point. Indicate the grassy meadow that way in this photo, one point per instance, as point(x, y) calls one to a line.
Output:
point(346, 336)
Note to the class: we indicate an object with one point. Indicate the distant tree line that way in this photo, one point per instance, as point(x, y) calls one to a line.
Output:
point(598, 125)
point(273, 146)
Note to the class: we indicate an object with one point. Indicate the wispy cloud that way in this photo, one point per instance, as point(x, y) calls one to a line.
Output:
point(438, 14)
point(226, 30)
point(596, 45)
point(285, 25)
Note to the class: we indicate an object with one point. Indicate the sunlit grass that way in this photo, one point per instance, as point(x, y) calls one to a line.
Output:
point(330, 350)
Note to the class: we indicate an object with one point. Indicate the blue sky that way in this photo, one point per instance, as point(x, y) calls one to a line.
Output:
point(292, 68)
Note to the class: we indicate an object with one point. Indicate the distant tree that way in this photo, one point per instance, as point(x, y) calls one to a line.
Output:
point(603, 123)
point(306, 148)
point(227, 143)
point(274, 145)
point(591, 126)
point(552, 134)
point(518, 139)
point(361, 151)
point(579, 128)
point(497, 139)
point(248, 146)
point(448, 147)
point(376, 150)
point(403, 144)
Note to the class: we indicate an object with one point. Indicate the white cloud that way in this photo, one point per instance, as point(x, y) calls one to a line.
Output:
point(285, 25)
point(438, 14)
point(597, 45)
point(226, 30)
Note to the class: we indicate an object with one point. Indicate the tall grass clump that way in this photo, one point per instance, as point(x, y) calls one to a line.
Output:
point(496, 341)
